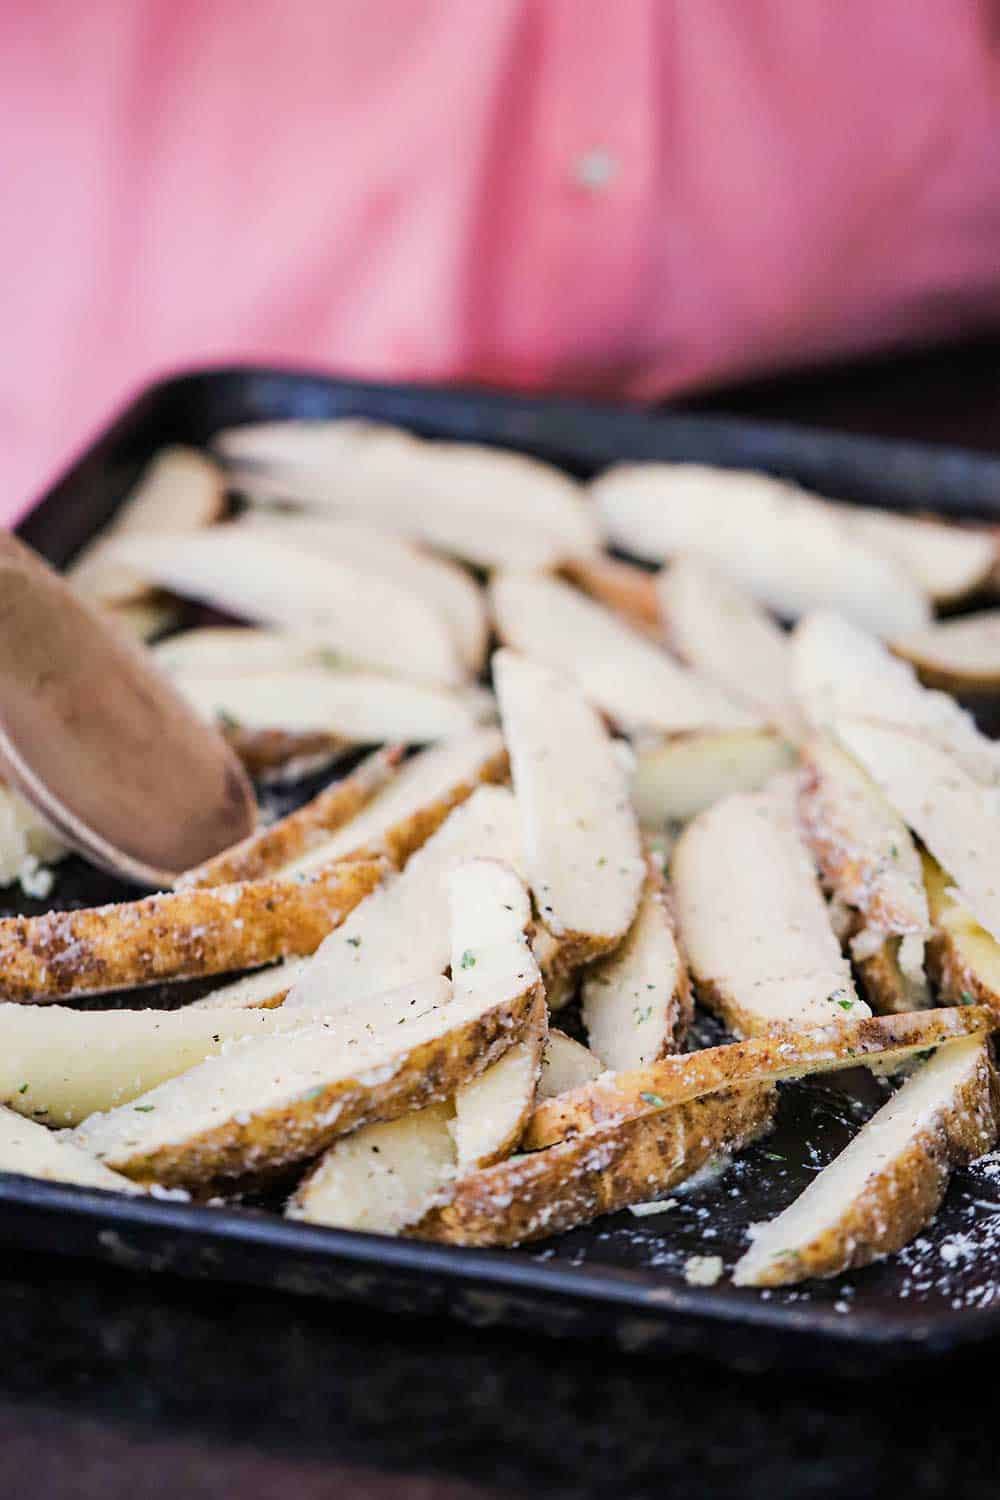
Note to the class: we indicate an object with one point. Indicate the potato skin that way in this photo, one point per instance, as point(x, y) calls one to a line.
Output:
point(532, 1197)
point(178, 934)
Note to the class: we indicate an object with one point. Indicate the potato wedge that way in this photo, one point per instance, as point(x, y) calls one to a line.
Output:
point(956, 656)
point(949, 562)
point(620, 586)
point(954, 815)
point(402, 932)
point(753, 922)
point(264, 988)
point(962, 958)
point(842, 672)
point(362, 708)
point(360, 614)
point(24, 836)
point(59, 1065)
point(309, 829)
point(416, 802)
point(727, 637)
point(892, 971)
point(270, 1102)
point(629, 678)
point(890, 1180)
point(792, 551)
point(581, 840)
point(177, 935)
point(679, 777)
point(236, 648)
point(180, 490)
point(889, 1041)
point(532, 1197)
point(144, 619)
point(28, 1149)
point(382, 1178)
point(637, 1000)
point(565, 1065)
point(273, 756)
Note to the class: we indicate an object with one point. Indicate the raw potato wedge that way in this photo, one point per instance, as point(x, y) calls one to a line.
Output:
point(382, 473)
point(956, 656)
point(947, 561)
point(236, 648)
point(842, 672)
point(264, 989)
point(271, 1102)
point(629, 678)
point(620, 586)
point(792, 551)
point(363, 708)
point(637, 1000)
point(177, 935)
point(29, 1150)
point(532, 1197)
point(889, 1041)
point(753, 922)
point(24, 836)
point(61, 1065)
point(181, 490)
point(359, 613)
point(954, 815)
point(402, 931)
point(565, 1065)
point(726, 636)
point(678, 778)
point(308, 829)
point(382, 1178)
point(962, 958)
point(581, 841)
point(890, 1180)
point(412, 806)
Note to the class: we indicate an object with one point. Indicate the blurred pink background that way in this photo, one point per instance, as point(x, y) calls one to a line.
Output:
point(627, 199)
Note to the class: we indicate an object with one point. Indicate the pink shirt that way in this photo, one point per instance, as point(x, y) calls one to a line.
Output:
point(617, 197)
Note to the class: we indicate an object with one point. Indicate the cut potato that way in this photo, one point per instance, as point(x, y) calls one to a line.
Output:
point(383, 1178)
point(888, 1041)
point(360, 707)
point(957, 656)
point(753, 921)
point(181, 490)
point(565, 1065)
point(637, 1000)
point(263, 989)
point(224, 649)
point(385, 474)
point(61, 1065)
point(29, 1150)
point(962, 957)
point(633, 681)
point(953, 814)
point(402, 933)
point(891, 971)
point(678, 778)
point(889, 1182)
point(143, 619)
point(532, 1197)
point(790, 550)
point(620, 586)
point(947, 561)
point(416, 802)
point(177, 935)
point(24, 836)
point(457, 596)
point(840, 671)
point(359, 613)
point(273, 756)
point(307, 830)
point(726, 636)
point(268, 1103)
point(580, 836)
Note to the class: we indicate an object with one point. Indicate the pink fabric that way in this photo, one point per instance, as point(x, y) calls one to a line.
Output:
point(413, 188)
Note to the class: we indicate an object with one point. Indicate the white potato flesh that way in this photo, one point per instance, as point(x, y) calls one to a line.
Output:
point(62, 1065)
point(24, 836)
point(841, 671)
point(753, 921)
point(355, 611)
point(962, 655)
point(566, 1065)
point(29, 1150)
point(953, 814)
point(362, 707)
point(677, 778)
point(866, 1164)
point(947, 561)
point(581, 841)
point(627, 676)
point(790, 550)
point(265, 987)
point(406, 934)
point(422, 782)
point(382, 1178)
point(235, 648)
point(723, 633)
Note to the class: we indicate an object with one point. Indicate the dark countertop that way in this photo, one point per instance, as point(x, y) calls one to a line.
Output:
point(118, 1385)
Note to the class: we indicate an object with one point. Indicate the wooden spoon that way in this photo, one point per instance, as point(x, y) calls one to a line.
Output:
point(100, 742)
